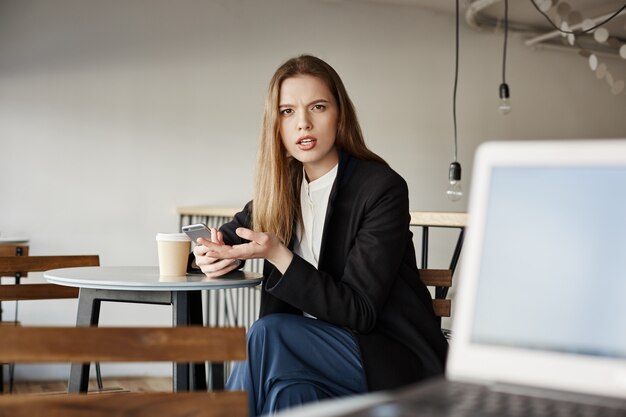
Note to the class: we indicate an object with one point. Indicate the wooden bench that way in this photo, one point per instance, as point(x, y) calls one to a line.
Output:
point(93, 344)
point(15, 262)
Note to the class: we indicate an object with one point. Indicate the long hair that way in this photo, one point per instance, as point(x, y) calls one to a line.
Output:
point(278, 175)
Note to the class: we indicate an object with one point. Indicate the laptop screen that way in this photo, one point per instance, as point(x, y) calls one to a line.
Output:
point(553, 265)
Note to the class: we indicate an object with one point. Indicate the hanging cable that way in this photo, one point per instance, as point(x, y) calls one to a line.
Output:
point(505, 104)
point(506, 36)
point(582, 31)
point(456, 81)
point(454, 190)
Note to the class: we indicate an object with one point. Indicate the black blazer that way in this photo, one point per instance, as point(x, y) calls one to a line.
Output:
point(367, 279)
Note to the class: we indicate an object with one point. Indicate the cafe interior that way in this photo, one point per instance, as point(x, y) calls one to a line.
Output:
point(123, 119)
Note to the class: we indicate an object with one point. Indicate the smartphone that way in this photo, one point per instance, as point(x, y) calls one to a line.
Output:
point(194, 231)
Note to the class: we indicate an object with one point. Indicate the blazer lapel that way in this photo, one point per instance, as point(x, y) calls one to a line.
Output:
point(346, 163)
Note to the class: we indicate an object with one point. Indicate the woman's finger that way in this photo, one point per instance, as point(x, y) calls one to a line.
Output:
point(200, 250)
point(260, 238)
point(244, 251)
point(219, 268)
point(248, 234)
point(216, 265)
point(205, 260)
point(207, 243)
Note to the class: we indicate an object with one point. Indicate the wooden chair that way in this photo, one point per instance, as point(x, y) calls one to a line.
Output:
point(22, 265)
point(440, 279)
point(13, 250)
point(9, 249)
point(91, 344)
point(15, 262)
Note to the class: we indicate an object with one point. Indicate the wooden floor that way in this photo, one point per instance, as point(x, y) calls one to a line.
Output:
point(130, 384)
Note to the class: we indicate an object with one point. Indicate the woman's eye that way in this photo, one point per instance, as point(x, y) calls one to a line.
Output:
point(319, 107)
point(286, 112)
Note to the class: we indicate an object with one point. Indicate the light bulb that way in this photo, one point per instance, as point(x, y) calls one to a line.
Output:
point(505, 102)
point(505, 106)
point(454, 190)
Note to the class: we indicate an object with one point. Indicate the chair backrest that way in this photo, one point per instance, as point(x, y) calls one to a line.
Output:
point(21, 265)
point(10, 249)
point(440, 279)
point(13, 292)
point(13, 250)
point(90, 344)
point(11, 265)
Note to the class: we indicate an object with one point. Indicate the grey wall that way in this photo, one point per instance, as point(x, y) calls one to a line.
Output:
point(112, 113)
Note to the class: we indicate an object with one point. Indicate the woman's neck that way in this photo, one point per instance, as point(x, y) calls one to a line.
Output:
point(315, 170)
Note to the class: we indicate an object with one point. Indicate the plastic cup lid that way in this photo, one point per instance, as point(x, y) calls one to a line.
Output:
point(176, 237)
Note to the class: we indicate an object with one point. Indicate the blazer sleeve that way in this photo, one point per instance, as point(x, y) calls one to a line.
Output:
point(241, 219)
point(373, 261)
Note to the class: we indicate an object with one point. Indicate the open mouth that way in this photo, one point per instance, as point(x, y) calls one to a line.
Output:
point(306, 143)
point(307, 140)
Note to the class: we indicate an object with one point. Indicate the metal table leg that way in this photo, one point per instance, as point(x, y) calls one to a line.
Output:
point(186, 310)
point(88, 315)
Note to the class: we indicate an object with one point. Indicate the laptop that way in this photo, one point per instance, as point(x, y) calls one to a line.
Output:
point(540, 320)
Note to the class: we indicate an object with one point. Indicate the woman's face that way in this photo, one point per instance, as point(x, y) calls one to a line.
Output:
point(308, 123)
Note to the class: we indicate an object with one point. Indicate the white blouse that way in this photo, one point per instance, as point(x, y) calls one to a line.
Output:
point(314, 202)
point(314, 197)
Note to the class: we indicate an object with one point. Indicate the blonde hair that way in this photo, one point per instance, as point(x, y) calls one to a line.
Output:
point(278, 175)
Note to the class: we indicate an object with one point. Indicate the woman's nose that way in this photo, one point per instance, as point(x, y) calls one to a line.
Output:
point(304, 121)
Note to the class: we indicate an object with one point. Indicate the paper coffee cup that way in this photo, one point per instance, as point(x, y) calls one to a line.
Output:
point(173, 251)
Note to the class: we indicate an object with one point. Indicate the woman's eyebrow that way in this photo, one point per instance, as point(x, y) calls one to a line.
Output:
point(321, 100)
point(317, 101)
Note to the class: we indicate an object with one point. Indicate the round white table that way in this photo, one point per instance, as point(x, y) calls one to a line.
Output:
point(146, 278)
point(137, 284)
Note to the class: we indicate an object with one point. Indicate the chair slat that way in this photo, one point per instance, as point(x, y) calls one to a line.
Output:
point(36, 292)
point(110, 344)
point(9, 265)
point(436, 277)
point(442, 307)
point(105, 391)
point(149, 404)
point(11, 250)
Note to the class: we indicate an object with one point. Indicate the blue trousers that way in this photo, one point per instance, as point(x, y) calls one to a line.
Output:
point(293, 360)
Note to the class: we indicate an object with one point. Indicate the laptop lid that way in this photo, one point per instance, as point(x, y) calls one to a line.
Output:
point(542, 285)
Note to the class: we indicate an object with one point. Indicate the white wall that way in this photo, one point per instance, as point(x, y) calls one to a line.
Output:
point(112, 113)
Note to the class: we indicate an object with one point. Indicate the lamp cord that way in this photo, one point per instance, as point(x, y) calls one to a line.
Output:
point(456, 80)
point(506, 35)
point(584, 31)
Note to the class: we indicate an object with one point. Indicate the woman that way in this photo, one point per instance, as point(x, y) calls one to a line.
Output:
point(331, 219)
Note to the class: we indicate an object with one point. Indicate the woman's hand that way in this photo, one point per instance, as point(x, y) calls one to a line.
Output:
point(213, 267)
point(261, 246)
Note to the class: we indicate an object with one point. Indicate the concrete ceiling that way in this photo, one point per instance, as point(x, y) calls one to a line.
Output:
point(520, 10)
point(525, 18)
point(523, 14)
